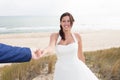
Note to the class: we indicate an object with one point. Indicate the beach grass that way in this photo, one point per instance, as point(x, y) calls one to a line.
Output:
point(29, 70)
point(104, 63)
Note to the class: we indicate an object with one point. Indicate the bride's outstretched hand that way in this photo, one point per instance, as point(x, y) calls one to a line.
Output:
point(43, 51)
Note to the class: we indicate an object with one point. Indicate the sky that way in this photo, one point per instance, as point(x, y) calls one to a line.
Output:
point(86, 11)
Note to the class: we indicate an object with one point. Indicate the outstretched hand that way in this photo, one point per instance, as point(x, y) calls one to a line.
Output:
point(37, 54)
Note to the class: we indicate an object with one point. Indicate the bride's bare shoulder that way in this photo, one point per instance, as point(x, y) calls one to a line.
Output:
point(78, 36)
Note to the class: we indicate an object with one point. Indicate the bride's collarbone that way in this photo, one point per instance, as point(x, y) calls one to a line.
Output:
point(66, 42)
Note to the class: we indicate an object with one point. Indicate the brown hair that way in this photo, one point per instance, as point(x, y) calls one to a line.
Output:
point(71, 22)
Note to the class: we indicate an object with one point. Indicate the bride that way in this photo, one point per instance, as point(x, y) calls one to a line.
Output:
point(70, 63)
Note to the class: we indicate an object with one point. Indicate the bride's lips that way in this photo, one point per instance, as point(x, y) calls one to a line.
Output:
point(66, 26)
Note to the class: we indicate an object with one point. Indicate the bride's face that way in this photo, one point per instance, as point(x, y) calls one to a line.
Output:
point(65, 23)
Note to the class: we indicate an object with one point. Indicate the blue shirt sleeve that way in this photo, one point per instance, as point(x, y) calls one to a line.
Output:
point(10, 54)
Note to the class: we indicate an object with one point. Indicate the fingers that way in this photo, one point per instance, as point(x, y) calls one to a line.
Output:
point(42, 52)
point(38, 53)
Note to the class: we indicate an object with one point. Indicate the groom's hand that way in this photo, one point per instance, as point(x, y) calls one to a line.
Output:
point(36, 54)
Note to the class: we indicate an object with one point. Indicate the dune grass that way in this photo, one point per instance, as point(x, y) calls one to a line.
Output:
point(104, 63)
point(29, 70)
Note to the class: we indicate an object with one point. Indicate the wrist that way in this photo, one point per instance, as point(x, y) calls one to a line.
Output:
point(33, 53)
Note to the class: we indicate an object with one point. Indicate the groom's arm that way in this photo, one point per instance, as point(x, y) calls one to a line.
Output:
point(10, 54)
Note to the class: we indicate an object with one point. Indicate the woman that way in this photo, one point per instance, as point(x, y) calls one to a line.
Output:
point(71, 62)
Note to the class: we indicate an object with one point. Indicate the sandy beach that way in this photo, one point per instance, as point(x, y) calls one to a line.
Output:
point(102, 39)
point(32, 40)
point(92, 40)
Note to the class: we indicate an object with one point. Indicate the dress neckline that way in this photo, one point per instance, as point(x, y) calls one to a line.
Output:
point(59, 38)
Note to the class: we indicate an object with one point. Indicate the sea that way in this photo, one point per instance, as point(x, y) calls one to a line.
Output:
point(24, 24)
point(28, 24)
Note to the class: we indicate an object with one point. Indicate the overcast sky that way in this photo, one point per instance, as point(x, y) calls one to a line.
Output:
point(106, 11)
point(56, 7)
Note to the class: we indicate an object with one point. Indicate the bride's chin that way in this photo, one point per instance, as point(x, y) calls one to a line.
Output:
point(66, 30)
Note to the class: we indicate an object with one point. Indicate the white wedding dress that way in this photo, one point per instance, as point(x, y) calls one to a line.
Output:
point(68, 66)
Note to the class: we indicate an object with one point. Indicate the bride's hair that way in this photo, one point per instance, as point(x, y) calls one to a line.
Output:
point(71, 22)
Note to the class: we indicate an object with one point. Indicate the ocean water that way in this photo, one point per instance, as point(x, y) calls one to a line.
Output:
point(24, 24)
point(21, 24)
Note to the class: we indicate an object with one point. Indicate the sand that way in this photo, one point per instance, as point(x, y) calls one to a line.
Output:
point(91, 40)
point(103, 39)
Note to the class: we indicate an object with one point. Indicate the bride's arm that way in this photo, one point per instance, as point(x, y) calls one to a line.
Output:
point(80, 52)
point(51, 46)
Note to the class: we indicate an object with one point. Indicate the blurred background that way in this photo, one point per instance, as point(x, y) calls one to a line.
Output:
point(43, 15)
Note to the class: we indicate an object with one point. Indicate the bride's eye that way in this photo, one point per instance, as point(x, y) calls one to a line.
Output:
point(68, 20)
point(63, 21)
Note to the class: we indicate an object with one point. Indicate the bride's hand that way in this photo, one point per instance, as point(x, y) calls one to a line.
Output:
point(43, 52)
